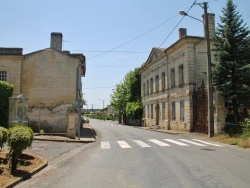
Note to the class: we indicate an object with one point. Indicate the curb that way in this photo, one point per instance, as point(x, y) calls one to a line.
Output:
point(27, 176)
point(65, 140)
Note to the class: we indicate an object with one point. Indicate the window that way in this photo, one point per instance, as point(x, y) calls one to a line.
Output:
point(152, 111)
point(3, 75)
point(182, 116)
point(163, 81)
point(172, 74)
point(181, 75)
point(144, 111)
point(157, 84)
point(173, 111)
point(148, 111)
point(144, 89)
point(163, 111)
point(151, 86)
point(147, 87)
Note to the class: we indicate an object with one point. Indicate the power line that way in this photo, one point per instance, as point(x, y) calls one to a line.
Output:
point(176, 25)
point(133, 38)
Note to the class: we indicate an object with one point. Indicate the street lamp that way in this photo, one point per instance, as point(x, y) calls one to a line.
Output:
point(209, 72)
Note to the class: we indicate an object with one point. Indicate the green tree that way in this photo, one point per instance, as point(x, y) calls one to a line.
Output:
point(6, 90)
point(232, 51)
point(126, 98)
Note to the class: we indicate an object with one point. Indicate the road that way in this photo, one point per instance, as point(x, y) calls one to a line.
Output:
point(124, 156)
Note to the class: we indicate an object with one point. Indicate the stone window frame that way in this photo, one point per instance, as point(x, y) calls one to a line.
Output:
point(163, 81)
point(3, 75)
point(163, 111)
point(172, 75)
point(157, 85)
point(148, 111)
point(152, 111)
point(181, 75)
point(182, 110)
point(151, 85)
point(147, 87)
point(173, 111)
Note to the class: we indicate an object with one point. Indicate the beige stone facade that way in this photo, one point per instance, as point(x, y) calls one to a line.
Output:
point(50, 78)
point(169, 79)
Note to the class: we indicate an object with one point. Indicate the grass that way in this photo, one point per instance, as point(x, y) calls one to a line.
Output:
point(242, 141)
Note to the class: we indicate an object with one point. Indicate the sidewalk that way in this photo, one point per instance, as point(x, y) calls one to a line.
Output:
point(164, 130)
point(87, 135)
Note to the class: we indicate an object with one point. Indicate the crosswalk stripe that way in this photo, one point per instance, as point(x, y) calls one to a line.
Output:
point(105, 145)
point(176, 142)
point(191, 142)
point(123, 144)
point(208, 143)
point(159, 142)
point(142, 144)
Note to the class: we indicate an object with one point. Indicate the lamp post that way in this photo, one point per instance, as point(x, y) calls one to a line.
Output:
point(209, 72)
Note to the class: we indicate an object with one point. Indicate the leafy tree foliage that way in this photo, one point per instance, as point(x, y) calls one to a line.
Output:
point(6, 90)
point(232, 74)
point(126, 99)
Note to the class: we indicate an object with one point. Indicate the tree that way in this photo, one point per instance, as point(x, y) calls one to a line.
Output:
point(128, 94)
point(232, 51)
point(6, 90)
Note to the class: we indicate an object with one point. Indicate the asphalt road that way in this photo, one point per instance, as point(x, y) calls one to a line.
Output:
point(125, 156)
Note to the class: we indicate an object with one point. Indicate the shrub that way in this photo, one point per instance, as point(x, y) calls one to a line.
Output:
point(233, 129)
point(6, 90)
point(19, 138)
point(3, 136)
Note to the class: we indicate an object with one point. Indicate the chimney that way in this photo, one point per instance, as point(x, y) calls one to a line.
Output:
point(56, 41)
point(211, 24)
point(182, 32)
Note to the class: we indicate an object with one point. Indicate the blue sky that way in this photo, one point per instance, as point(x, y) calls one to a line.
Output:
point(127, 28)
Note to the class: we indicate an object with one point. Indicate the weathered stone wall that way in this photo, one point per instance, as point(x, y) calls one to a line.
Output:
point(12, 64)
point(51, 119)
point(49, 77)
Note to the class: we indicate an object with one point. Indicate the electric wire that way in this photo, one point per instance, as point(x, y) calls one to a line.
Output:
point(177, 25)
point(133, 38)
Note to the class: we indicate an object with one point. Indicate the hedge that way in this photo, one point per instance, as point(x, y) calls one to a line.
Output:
point(6, 91)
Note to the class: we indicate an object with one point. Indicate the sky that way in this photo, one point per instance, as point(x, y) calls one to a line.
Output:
point(115, 36)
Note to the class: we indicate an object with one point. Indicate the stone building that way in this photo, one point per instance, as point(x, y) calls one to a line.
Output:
point(50, 78)
point(171, 80)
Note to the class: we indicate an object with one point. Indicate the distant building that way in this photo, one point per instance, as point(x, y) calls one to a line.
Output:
point(50, 78)
point(172, 82)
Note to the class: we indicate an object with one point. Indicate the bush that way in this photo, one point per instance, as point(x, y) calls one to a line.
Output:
point(3, 136)
point(233, 129)
point(6, 91)
point(19, 138)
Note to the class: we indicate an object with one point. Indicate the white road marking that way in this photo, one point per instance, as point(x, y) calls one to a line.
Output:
point(142, 144)
point(191, 142)
point(176, 142)
point(105, 145)
point(160, 143)
point(123, 144)
point(208, 143)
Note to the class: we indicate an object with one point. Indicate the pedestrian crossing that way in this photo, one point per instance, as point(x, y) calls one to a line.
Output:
point(155, 142)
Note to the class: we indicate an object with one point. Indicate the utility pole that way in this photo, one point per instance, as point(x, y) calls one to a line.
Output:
point(209, 77)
